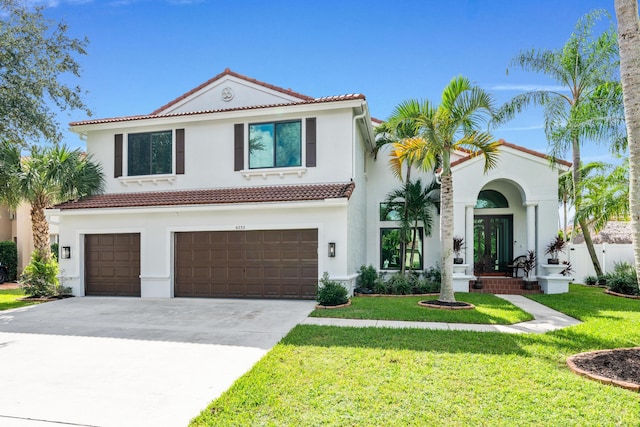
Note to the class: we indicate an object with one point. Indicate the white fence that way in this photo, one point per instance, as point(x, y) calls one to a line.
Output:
point(608, 254)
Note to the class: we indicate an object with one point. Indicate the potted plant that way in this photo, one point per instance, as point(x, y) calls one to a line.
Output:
point(557, 245)
point(528, 265)
point(458, 246)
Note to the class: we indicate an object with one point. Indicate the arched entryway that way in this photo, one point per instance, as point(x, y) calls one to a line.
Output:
point(499, 227)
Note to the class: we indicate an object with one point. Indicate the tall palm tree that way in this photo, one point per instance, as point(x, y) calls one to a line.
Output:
point(628, 36)
point(452, 125)
point(50, 175)
point(418, 203)
point(586, 67)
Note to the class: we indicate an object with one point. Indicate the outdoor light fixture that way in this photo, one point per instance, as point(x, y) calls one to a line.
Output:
point(332, 249)
point(66, 252)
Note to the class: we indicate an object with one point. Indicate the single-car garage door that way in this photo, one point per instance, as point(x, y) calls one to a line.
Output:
point(112, 264)
point(247, 264)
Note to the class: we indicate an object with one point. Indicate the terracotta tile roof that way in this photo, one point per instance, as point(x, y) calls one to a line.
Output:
point(228, 72)
point(337, 98)
point(282, 193)
point(515, 147)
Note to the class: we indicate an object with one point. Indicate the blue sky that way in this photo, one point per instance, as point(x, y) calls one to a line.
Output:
point(144, 53)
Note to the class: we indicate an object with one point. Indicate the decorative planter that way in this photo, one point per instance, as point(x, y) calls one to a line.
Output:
point(528, 284)
point(555, 261)
point(477, 284)
point(460, 269)
point(458, 260)
point(554, 270)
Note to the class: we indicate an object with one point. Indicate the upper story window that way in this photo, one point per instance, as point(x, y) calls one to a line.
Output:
point(150, 153)
point(275, 145)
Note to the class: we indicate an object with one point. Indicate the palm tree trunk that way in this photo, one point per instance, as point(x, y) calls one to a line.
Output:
point(577, 197)
point(629, 44)
point(446, 238)
point(413, 245)
point(405, 219)
point(40, 229)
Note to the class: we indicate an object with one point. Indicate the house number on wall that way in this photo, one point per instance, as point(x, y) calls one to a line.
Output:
point(240, 227)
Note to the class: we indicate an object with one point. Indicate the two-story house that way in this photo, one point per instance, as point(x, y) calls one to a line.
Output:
point(239, 188)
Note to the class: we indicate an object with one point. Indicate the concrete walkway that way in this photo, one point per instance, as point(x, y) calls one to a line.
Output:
point(545, 320)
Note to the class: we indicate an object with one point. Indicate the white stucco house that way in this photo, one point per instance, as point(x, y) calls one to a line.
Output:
point(239, 188)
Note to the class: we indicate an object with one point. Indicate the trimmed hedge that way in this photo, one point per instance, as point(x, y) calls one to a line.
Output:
point(9, 258)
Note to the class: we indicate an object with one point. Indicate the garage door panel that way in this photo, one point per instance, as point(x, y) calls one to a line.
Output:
point(112, 264)
point(257, 263)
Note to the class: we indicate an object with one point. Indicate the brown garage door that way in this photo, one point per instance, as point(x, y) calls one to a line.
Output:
point(247, 264)
point(112, 264)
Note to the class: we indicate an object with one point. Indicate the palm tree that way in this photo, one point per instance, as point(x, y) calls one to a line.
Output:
point(628, 36)
point(606, 196)
point(50, 175)
point(587, 69)
point(566, 192)
point(414, 204)
point(452, 125)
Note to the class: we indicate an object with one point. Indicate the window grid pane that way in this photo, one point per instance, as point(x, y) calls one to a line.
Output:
point(150, 153)
point(275, 145)
point(391, 248)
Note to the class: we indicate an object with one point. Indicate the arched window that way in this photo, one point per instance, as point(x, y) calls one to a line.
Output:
point(490, 199)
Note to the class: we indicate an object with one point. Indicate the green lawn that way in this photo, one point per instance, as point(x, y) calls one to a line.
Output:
point(331, 376)
point(489, 309)
point(9, 299)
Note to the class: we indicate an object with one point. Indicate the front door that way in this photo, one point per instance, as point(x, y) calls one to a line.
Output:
point(492, 243)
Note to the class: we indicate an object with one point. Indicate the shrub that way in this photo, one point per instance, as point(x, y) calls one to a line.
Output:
point(433, 274)
point(380, 286)
point(400, 284)
point(9, 257)
point(426, 286)
point(39, 278)
point(330, 292)
point(367, 277)
point(623, 279)
point(591, 280)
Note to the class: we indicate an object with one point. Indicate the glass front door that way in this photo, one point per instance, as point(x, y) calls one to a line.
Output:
point(492, 243)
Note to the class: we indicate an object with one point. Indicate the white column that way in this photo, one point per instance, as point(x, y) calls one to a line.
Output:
point(531, 226)
point(531, 230)
point(468, 236)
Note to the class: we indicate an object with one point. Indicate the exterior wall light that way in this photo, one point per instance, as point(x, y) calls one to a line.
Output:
point(332, 249)
point(66, 252)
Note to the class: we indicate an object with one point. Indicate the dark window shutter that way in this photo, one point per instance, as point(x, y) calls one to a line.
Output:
point(118, 156)
point(238, 147)
point(180, 151)
point(310, 141)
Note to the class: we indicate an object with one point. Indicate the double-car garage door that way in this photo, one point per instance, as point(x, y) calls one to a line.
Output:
point(223, 264)
point(247, 264)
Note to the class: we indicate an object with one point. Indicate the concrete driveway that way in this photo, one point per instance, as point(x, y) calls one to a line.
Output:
point(131, 361)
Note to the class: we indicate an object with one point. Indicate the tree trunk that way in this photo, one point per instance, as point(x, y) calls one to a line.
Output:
point(446, 238)
point(577, 197)
point(40, 229)
point(405, 218)
point(629, 44)
point(413, 245)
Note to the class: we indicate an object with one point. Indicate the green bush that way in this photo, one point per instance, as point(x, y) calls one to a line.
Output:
point(400, 284)
point(591, 280)
point(433, 274)
point(426, 286)
point(9, 258)
point(380, 286)
point(331, 293)
point(367, 277)
point(623, 279)
point(40, 277)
